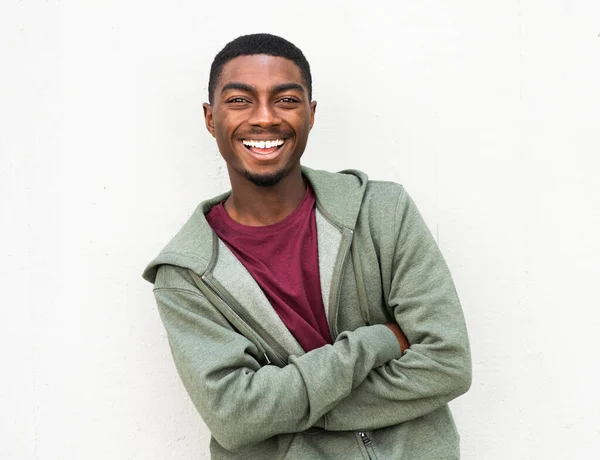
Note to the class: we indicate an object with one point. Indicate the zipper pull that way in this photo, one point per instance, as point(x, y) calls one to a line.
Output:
point(266, 358)
point(365, 439)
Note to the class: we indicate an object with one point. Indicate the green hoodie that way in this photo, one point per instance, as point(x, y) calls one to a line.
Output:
point(262, 396)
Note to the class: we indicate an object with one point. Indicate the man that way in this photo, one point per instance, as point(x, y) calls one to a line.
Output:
point(284, 298)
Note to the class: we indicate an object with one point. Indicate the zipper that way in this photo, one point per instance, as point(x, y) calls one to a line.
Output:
point(336, 279)
point(251, 326)
point(360, 285)
point(368, 445)
point(364, 437)
point(347, 235)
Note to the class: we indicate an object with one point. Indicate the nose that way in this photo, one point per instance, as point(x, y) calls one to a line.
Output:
point(264, 115)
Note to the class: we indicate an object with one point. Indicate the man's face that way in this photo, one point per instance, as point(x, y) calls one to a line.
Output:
point(261, 116)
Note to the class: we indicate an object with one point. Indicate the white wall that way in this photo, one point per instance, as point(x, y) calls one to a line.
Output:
point(488, 112)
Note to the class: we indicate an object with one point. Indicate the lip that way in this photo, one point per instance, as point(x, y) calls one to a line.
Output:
point(264, 157)
point(258, 138)
point(263, 139)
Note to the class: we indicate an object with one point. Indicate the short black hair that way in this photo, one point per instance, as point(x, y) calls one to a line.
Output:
point(248, 45)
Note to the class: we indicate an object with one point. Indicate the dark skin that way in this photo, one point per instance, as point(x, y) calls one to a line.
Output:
point(264, 98)
point(261, 97)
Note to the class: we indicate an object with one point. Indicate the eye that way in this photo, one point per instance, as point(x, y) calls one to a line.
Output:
point(288, 100)
point(237, 100)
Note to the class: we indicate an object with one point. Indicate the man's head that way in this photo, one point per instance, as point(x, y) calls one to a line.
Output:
point(248, 45)
point(260, 109)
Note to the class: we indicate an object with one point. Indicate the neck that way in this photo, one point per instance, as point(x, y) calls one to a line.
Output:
point(253, 205)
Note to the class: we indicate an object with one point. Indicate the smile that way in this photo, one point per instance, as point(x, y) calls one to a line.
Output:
point(263, 147)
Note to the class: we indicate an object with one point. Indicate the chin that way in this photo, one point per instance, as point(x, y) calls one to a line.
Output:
point(265, 180)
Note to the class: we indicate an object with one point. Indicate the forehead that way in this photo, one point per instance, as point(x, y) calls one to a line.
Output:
point(260, 70)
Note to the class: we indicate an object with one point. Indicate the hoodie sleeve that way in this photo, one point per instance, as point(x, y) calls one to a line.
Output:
point(241, 402)
point(437, 366)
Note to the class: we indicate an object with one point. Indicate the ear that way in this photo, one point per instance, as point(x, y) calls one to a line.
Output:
point(313, 109)
point(208, 118)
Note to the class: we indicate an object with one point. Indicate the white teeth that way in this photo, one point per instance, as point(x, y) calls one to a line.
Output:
point(263, 144)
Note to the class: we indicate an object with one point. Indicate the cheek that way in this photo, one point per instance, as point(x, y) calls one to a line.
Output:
point(222, 130)
point(222, 139)
point(226, 125)
point(223, 142)
point(304, 127)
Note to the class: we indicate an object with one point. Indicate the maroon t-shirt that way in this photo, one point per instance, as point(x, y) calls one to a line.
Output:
point(283, 259)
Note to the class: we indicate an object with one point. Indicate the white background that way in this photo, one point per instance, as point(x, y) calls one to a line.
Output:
point(488, 112)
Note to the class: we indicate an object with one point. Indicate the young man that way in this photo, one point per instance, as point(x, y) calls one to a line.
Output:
point(284, 298)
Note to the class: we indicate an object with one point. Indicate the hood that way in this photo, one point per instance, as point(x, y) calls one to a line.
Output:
point(339, 196)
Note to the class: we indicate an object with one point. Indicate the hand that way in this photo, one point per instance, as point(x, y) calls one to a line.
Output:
point(399, 335)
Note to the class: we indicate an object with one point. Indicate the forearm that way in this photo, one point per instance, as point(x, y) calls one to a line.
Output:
point(435, 369)
point(243, 403)
point(422, 298)
point(401, 390)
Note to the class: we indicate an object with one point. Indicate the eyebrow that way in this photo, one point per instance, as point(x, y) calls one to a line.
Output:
point(232, 86)
point(287, 87)
point(237, 86)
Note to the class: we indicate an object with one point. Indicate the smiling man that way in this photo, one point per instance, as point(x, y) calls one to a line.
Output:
point(310, 314)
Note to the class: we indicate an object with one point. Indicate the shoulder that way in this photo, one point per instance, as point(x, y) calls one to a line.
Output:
point(384, 191)
point(382, 199)
point(192, 246)
point(174, 277)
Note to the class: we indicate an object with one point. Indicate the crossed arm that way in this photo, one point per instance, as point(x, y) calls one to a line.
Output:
point(437, 366)
point(402, 340)
point(360, 382)
point(220, 370)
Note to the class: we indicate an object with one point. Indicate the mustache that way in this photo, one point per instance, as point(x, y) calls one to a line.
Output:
point(275, 133)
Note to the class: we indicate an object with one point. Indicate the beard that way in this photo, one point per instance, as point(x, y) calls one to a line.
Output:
point(265, 180)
